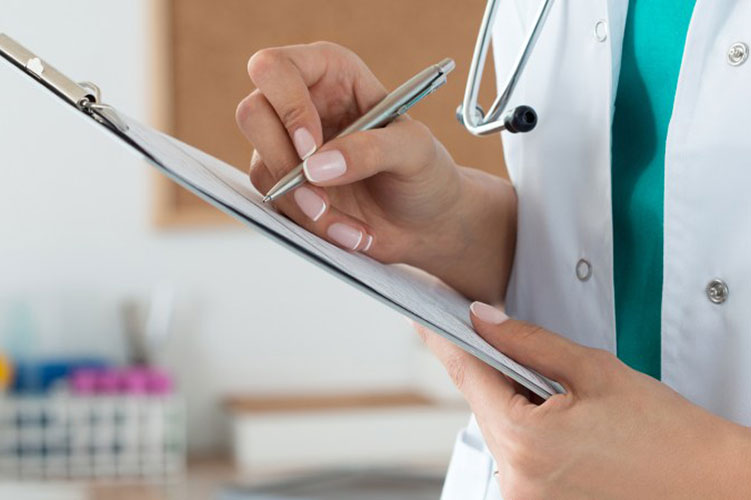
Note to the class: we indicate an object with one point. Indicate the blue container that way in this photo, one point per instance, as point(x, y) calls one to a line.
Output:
point(37, 377)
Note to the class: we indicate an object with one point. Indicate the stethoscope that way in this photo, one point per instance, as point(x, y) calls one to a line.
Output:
point(519, 119)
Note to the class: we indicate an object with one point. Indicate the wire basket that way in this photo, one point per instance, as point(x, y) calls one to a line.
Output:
point(65, 436)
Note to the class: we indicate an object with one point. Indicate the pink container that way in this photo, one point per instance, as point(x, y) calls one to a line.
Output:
point(160, 383)
point(83, 382)
point(134, 380)
point(107, 382)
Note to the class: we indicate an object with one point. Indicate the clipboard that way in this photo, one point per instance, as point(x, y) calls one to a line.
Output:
point(218, 184)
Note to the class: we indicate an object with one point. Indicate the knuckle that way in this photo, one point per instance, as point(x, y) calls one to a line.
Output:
point(424, 140)
point(242, 112)
point(249, 106)
point(293, 113)
point(331, 47)
point(262, 61)
point(325, 45)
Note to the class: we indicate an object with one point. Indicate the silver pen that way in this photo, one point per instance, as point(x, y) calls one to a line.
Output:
point(393, 105)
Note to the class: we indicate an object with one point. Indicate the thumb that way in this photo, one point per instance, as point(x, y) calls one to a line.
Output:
point(548, 353)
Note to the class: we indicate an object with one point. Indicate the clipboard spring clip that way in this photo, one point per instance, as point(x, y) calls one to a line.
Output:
point(103, 113)
point(85, 96)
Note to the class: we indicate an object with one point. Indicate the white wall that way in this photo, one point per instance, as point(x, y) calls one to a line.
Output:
point(75, 238)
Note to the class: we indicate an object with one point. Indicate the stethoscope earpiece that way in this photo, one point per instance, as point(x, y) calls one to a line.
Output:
point(520, 119)
point(517, 120)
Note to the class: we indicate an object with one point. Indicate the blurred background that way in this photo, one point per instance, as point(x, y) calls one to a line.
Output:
point(144, 350)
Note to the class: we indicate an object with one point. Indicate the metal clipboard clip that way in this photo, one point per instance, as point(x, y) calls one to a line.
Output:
point(83, 95)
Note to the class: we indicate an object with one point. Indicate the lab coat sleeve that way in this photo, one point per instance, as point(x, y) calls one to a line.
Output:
point(471, 467)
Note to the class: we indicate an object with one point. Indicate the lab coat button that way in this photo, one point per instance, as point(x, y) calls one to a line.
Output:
point(583, 270)
point(717, 291)
point(601, 30)
point(737, 54)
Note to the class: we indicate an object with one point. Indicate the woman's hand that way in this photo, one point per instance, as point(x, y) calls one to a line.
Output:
point(615, 434)
point(393, 193)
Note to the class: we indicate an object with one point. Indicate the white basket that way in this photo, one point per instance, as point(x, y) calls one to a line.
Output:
point(62, 436)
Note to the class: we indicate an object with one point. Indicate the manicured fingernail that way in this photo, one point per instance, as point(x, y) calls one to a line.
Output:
point(345, 235)
point(310, 203)
point(304, 143)
point(488, 313)
point(324, 166)
point(368, 243)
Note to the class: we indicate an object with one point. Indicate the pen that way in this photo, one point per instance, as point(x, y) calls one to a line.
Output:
point(393, 105)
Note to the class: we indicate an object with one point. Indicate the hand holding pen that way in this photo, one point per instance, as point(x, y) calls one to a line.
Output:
point(391, 107)
point(392, 192)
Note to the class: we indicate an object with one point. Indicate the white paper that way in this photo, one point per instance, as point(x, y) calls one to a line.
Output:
point(424, 299)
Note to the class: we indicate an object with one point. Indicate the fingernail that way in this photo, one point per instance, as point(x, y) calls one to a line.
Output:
point(304, 143)
point(324, 166)
point(368, 243)
point(310, 203)
point(345, 235)
point(488, 313)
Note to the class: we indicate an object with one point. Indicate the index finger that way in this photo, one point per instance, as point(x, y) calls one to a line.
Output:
point(488, 391)
point(284, 75)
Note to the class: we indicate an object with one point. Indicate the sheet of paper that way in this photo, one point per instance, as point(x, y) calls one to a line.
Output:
point(423, 298)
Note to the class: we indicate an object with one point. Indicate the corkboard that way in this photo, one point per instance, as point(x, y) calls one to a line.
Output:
point(210, 43)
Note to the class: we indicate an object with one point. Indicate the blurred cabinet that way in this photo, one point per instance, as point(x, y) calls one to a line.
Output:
point(208, 44)
point(333, 431)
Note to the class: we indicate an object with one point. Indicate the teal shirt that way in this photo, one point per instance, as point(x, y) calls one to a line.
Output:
point(650, 62)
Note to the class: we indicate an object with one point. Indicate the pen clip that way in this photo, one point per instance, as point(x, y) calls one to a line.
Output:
point(431, 87)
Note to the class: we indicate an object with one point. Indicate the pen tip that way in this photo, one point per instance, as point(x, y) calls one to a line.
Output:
point(266, 199)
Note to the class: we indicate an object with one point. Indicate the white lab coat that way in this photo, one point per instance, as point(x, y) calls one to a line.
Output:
point(563, 271)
